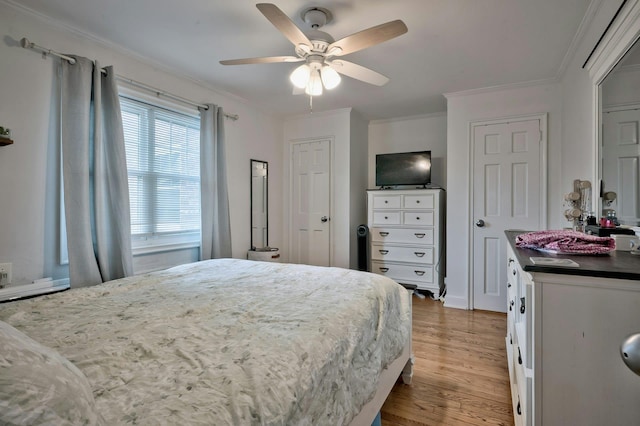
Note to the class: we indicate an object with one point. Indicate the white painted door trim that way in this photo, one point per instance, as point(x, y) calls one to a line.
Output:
point(293, 142)
point(543, 183)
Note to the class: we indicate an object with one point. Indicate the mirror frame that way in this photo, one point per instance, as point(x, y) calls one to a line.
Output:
point(266, 201)
point(618, 39)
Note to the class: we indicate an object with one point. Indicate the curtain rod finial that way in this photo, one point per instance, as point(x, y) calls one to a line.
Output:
point(25, 43)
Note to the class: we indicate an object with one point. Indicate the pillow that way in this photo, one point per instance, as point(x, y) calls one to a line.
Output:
point(39, 386)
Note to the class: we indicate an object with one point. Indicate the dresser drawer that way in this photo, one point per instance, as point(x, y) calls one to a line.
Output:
point(386, 218)
point(525, 391)
point(386, 201)
point(518, 418)
point(388, 252)
point(512, 292)
point(418, 274)
point(422, 218)
point(425, 201)
point(404, 235)
point(512, 273)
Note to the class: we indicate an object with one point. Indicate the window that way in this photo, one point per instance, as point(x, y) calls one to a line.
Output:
point(163, 163)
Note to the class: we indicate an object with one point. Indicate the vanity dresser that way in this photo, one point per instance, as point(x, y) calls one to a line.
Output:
point(565, 327)
point(406, 236)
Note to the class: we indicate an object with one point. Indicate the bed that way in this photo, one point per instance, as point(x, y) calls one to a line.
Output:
point(224, 341)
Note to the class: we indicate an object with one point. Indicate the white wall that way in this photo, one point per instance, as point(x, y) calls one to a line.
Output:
point(417, 133)
point(463, 109)
point(29, 168)
point(359, 147)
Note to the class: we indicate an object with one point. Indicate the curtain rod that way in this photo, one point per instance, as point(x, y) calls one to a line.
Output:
point(25, 43)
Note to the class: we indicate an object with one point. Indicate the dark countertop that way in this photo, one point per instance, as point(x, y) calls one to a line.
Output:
point(617, 264)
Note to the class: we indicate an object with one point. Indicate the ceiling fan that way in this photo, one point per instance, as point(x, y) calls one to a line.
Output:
point(320, 52)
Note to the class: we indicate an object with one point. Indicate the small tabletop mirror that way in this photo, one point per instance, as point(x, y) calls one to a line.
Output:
point(259, 205)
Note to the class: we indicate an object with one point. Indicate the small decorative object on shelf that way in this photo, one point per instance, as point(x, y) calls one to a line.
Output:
point(5, 136)
point(579, 204)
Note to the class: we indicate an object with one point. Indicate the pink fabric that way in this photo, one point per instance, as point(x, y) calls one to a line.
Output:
point(569, 242)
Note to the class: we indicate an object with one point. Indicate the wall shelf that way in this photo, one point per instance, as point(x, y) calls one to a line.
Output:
point(5, 141)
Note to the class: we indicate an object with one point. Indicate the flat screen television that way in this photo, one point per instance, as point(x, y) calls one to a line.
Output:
point(403, 168)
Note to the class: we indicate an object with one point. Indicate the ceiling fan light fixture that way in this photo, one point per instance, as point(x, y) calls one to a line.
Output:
point(330, 77)
point(314, 87)
point(300, 76)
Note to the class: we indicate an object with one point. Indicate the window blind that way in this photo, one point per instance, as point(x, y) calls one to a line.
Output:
point(163, 162)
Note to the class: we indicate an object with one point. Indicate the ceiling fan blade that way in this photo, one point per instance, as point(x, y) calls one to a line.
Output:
point(265, 60)
point(367, 38)
point(282, 22)
point(358, 72)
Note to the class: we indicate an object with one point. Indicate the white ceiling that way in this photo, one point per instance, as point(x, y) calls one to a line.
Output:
point(451, 45)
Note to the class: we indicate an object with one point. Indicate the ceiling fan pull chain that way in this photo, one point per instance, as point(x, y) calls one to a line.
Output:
point(310, 104)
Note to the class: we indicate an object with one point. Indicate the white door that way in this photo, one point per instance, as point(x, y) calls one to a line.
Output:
point(506, 190)
point(620, 162)
point(310, 202)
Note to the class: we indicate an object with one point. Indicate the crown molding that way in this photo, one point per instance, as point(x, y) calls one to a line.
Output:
point(587, 19)
point(409, 118)
point(512, 86)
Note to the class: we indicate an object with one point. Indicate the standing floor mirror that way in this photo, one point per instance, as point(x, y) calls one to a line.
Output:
point(259, 205)
point(260, 249)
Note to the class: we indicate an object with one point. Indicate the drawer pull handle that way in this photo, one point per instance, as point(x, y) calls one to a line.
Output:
point(511, 305)
point(386, 201)
point(417, 217)
point(386, 217)
point(508, 285)
point(514, 272)
point(510, 261)
point(519, 409)
point(384, 269)
point(419, 273)
point(522, 305)
point(383, 252)
point(383, 234)
point(510, 339)
point(519, 357)
point(418, 253)
point(418, 235)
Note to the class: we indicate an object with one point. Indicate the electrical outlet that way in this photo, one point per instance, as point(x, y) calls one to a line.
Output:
point(5, 274)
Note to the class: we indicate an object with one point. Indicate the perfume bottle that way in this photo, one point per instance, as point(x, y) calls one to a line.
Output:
point(610, 221)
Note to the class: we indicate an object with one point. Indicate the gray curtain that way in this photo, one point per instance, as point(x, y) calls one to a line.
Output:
point(216, 228)
point(96, 193)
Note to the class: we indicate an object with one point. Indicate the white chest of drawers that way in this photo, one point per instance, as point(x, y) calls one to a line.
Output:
point(565, 327)
point(406, 236)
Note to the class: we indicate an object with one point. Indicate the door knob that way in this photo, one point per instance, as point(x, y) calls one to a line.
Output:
point(480, 223)
point(324, 219)
point(630, 352)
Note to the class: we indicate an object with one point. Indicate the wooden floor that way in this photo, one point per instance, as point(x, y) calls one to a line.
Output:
point(460, 375)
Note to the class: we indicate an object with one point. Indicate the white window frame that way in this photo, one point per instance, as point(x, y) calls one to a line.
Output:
point(161, 242)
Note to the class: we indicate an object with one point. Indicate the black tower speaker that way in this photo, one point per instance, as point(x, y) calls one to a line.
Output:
point(362, 233)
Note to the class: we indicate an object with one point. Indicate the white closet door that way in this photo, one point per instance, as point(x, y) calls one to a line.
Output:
point(310, 203)
point(506, 195)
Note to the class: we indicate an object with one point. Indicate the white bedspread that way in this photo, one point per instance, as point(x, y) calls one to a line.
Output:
point(226, 342)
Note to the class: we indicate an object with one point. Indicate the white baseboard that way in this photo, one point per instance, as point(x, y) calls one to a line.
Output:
point(456, 302)
point(36, 289)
